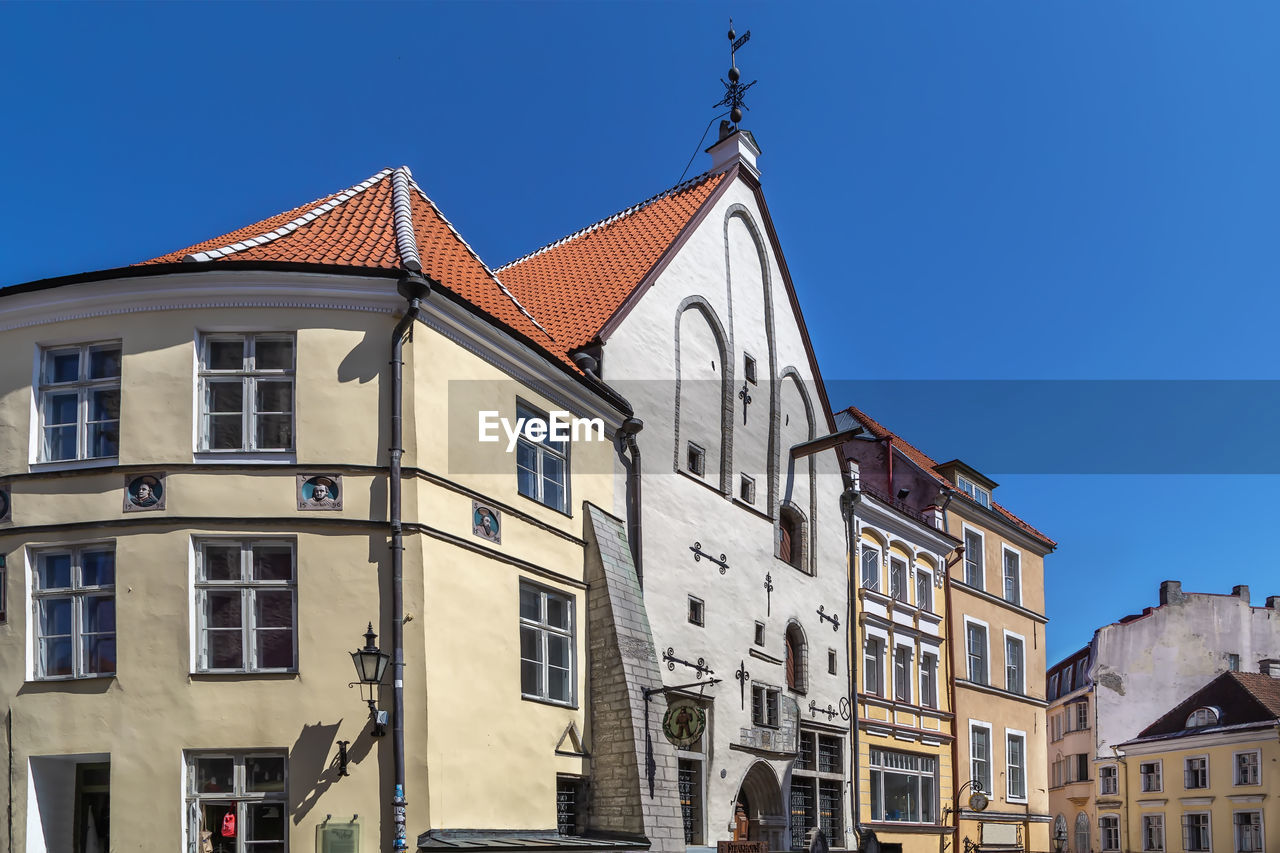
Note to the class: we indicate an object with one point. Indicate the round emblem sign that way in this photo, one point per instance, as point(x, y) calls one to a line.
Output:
point(684, 723)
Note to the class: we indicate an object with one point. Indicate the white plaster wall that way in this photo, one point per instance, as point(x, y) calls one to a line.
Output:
point(1143, 668)
point(680, 510)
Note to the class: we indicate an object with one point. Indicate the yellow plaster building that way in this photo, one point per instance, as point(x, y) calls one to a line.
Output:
point(1201, 777)
point(195, 525)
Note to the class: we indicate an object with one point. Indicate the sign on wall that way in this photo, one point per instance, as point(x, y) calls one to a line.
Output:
point(684, 723)
point(338, 837)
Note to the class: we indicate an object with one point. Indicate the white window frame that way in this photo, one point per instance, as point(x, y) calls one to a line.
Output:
point(249, 375)
point(1010, 796)
point(980, 562)
point(878, 769)
point(249, 590)
point(1021, 687)
point(862, 573)
point(1235, 831)
point(1005, 551)
point(544, 630)
point(1142, 777)
point(979, 493)
point(1186, 771)
point(881, 644)
point(1257, 767)
point(542, 451)
point(924, 580)
point(968, 654)
point(929, 686)
point(78, 593)
point(83, 387)
point(902, 680)
point(238, 798)
point(1104, 830)
point(902, 591)
point(1103, 788)
point(1149, 821)
point(1208, 815)
point(988, 758)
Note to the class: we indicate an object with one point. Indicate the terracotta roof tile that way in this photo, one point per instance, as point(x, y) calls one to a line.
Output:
point(357, 228)
point(577, 283)
point(929, 465)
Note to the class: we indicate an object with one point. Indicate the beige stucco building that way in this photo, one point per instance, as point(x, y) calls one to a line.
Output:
point(195, 530)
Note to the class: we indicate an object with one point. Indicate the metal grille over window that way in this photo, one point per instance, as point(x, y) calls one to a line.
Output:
point(691, 800)
point(567, 792)
point(246, 392)
point(816, 789)
point(80, 402)
point(870, 568)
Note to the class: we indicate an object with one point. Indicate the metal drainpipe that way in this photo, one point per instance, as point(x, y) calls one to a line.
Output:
point(415, 288)
point(951, 697)
point(849, 501)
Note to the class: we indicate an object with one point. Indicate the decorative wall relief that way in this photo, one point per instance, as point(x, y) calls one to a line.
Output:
point(319, 491)
point(144, 492)
point(486, 522)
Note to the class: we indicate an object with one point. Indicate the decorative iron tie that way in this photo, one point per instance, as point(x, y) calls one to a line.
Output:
point(834, 620)
point(669, 656)
point(698, 554)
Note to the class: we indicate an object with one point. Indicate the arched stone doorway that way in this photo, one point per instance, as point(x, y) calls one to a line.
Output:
point(758, 812)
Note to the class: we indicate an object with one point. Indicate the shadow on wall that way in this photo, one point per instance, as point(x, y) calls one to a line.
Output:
point(313, 762)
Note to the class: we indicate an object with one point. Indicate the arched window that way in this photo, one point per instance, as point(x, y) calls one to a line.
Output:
point(1059, 828)
point(791, 537)
point(1202, 717)
point(797, 658)
point(1082, 832)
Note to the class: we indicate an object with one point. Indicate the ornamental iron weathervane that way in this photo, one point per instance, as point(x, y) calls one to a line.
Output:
point(734, 88)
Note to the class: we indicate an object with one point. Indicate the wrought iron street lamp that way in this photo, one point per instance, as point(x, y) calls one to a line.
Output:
point(371, 664)
point(1060, 840)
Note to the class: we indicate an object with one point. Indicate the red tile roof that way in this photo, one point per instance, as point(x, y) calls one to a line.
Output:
point(358, 228)
point(575, 285)
point(911, 452)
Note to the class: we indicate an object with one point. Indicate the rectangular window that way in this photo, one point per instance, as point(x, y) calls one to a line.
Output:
point(1249, 832)
point(1081, 715)
point(904, 787)
point(1247, 772)
point(747, 489)
point(973, 490)
point(1233, 662)
point(1195, 832)
point(973, 559)
point(246, 605)
point(976, 644)
point(759, 638)
point(1014, 680)
point(1153, 833)
point(831, 661)
point(1195, 773)
point(870, 568)
point(691, 799)
point(568, 805)
point(1016, 755)
point(1080, 768)
point(872, 666)
point(902, 674)
point(1107, 779)
point(897, 579)
point(542, 466)
point(928, 680)
point(980, 756)
point(4, 585)
point(697, 611)
point(696, 460)
point(546, 644)
point(764, 705)
point(924, 590)
point(79, 400)
point(1053, 687)
point(244, 792)
point(75, 612)
point(1109, 830)
point(1151, 776)
point(749, 368)
point(1012, 577)
point(246, 392)
point(1055, 727)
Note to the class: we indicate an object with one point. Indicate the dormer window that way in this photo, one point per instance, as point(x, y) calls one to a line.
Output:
point(1202, 717)
point(973, 490)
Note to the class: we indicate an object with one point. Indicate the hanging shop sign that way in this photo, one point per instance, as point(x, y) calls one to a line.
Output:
point(684, 723)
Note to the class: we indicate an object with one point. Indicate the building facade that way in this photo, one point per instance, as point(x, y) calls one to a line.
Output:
point(1109, 691)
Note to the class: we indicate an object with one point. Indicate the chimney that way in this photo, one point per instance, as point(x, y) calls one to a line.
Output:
point(1171, 593)
point(1241, 592)
point(738, 148)
point(1273, 602)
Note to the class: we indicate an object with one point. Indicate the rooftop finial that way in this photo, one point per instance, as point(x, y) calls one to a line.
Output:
point(734, 90)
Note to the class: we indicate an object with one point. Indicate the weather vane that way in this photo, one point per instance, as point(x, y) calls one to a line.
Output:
point(733, 89)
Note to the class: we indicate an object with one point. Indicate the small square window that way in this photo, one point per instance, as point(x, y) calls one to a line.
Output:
point(747, 490)
point(697, 611)
point(759, 633)
point(831, 661)
point(697, 460)
point(749, 368)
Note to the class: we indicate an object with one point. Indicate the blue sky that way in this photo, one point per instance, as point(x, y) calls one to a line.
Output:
point(980, 191)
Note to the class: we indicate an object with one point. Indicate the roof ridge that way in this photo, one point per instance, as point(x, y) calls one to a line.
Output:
point(402, 214)
point(333, 201)
point(479, 260)
point(609, 220)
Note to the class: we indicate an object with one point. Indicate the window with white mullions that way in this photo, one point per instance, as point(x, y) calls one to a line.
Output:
point(542, 466)
point(1247, 770)
point(246, 392)
point(246, 599)
point(75, 612)
point(1109, 832)
point(902, 674)
point(976, 651)
point(546, 644)
point(79, 402)
point(1014, 679)
point(237, 802)
point(1195, 832)
point(928, 680)
point(1153, 833)
point(1012, 577)
point(904, 786)
point(924, 590)
point(1248, 827)
point(870, 568)
point(973, 568)
point(980, 756)
point(897, 579)
point(1016, 760)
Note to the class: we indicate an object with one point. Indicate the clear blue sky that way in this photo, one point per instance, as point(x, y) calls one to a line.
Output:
point(993, 190)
